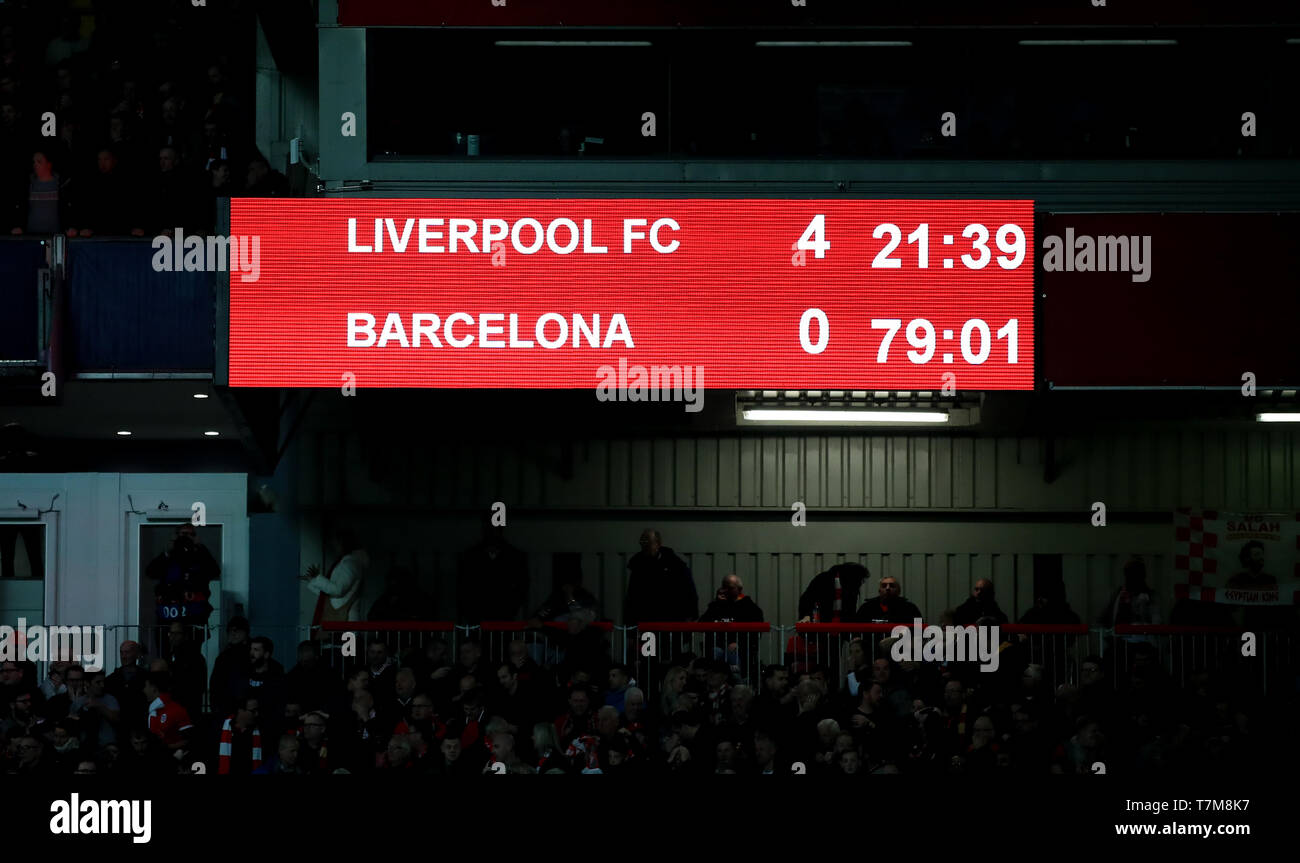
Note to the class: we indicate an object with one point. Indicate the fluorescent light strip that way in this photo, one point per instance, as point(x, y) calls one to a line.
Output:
point(556, 44)
point(1293, 41)
point(1059, 42)
point(841, 416)
point(1278, 417)
point(833, 44)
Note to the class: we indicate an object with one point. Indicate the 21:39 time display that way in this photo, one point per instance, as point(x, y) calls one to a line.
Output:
point(1010, 239)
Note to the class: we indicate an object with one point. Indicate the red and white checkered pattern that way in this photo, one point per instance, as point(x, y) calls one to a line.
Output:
point(1191, 539)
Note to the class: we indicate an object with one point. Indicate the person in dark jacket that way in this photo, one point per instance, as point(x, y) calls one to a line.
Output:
point(492, 582)
point(181, 577)
point(732, 606)
point(660, 586)
point(230, 664)
point(889, 606)
point(981, 603)
point(820, 596)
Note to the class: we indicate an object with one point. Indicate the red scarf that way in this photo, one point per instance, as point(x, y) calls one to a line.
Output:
point(227, 745)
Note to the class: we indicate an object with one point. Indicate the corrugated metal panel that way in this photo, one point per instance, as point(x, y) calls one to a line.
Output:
point(1155, 471)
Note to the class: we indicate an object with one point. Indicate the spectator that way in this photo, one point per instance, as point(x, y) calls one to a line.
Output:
point(674, 684)
point(469, 717)
point(313, 754)
point(897, 697)
point(11, 683)
point(230, 667)
point(188, 667)
point(958, 715)
point(24, 717)
point(398, 755)
point(577, 720)
point(168, 720)
point(889, 606)
point(286, 760)
point(423, 720)
point(44, 208)
point(620, 680)
point(181, 576)
point(264, 182)
point(981, 603)
point(98, 711)
point(147, 756)
point(403, 692)
point(1134, 603)
point(340, 587)
point(265, 680)
point(453, 762)
point(583, 645)
point(569, 596)
point(515, 701)
point(831, 595)
point(126, 683)
point(1050, 608)
point(240, 750)
point(54, 683)
point(765, 754)
point(492, 579)
point(547, 752)
point(32, 758)
point(383, 671)
point(718, 697)
point(660, 586)
point(108, 204)
point(1084, 749)
point(309, 682)
point(732, 605)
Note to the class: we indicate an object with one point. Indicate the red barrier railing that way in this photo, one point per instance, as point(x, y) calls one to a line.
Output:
point(518, 626)
point(387, 626)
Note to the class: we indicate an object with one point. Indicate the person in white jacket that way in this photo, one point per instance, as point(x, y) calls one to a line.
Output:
point(339, 589)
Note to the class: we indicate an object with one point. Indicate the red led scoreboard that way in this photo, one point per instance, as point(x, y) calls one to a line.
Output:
point(760, 294)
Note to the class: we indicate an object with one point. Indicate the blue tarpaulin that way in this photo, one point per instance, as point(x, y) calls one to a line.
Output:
point(123, 316)
point(20, 261)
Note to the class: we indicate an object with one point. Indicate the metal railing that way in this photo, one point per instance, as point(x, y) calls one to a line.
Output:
point(653, 647)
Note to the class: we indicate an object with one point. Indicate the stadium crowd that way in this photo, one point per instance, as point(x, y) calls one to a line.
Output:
point(460, 708)
point(115, 122)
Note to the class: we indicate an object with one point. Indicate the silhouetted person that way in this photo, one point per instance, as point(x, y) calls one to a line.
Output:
point(492, 579)
point(659, 585)
point(981, 603)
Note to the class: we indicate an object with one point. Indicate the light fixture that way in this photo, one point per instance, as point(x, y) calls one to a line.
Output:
point(1038, 43)
point(1293, 417)
point(812, 415)
point(534, 43)
point(832, 44)
point(124, 434)
point(200, 395)
point(211, 433)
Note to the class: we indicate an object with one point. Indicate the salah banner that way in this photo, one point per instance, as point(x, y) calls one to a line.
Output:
point(1237, 558)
